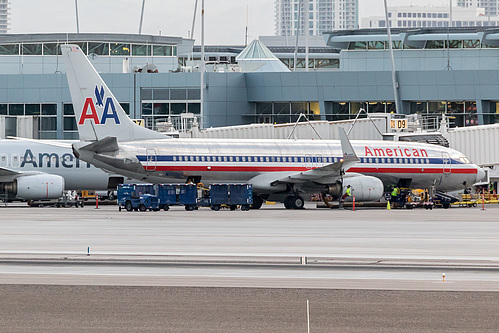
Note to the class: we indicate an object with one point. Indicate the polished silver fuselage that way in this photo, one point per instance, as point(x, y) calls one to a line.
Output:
point(221, 161)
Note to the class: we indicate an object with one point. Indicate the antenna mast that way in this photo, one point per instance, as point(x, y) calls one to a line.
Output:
point(141, 16)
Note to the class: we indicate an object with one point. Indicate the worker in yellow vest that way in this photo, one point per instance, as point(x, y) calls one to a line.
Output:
point(394, 194)
point(348, 193)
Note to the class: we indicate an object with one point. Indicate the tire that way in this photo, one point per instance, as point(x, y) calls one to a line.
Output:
point(189, 208)
point(166, 208)
point(82, 204)
point(297, 202)
point(257, 202)
point(286, 202)
point(128, 206)
point(245, 208)
point(215, 208)
point(119, 208)
point(142, 208)
point(111, 196)
point(233, 207)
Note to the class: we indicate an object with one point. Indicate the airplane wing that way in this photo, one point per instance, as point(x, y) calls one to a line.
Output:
point(5, 172)
point(326, 173)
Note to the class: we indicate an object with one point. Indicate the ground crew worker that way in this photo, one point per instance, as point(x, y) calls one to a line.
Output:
point(348, 193)
point(394, 194)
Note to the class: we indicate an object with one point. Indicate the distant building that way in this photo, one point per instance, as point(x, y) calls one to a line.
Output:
point(4, 16)
point(432, 17)
point(321, 15)
point(489, 6)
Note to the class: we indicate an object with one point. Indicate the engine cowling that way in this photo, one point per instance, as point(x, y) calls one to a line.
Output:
point(36, 187)
point(364, 188)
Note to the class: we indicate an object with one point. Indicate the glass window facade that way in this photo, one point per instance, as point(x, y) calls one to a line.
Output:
point(163, 104)
point(285, 112)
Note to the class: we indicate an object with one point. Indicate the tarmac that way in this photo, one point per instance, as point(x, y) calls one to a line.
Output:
point(367, 270)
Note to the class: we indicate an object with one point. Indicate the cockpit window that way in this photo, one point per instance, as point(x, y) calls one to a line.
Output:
point(464, 159)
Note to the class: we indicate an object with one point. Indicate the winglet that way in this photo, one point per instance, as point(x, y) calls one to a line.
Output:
point(346, 147)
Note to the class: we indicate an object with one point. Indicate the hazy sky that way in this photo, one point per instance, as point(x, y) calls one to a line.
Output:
point(225, 20)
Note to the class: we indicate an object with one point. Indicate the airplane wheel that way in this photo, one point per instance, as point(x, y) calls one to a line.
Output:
point(128, 206)
point(286, 202)
point(111, 196)
point(142, 208)
point(257, 202)
point(296, 202)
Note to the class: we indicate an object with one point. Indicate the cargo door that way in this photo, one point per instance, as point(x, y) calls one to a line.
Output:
point(151, 159)
point(446, 162)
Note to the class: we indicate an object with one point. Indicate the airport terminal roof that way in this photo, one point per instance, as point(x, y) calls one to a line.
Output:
point(414, 37)
point(83, 37)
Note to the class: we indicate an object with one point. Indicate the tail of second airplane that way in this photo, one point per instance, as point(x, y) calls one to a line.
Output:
point(98, 113)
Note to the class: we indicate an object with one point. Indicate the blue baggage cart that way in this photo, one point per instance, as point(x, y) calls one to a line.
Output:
point(177, 195)
point(232, 195)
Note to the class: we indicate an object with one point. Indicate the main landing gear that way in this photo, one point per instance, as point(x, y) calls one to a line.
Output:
point(294, 202)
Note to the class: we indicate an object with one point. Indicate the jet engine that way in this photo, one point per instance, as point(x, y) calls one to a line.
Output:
point(36, 187)
point(364, 188)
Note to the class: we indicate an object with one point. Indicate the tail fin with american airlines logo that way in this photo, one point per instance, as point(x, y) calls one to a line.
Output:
point(98, 113)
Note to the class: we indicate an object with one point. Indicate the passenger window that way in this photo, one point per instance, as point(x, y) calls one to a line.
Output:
point(3, 160)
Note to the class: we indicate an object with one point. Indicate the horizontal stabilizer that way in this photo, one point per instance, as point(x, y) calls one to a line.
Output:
point(107, 145)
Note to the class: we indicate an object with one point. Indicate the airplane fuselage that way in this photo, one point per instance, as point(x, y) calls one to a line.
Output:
point(40, 157)
point(215, 160)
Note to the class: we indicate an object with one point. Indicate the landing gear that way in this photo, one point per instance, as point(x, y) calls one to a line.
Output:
point(294, 202)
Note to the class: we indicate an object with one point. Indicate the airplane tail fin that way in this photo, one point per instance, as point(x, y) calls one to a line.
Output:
point(98, 113)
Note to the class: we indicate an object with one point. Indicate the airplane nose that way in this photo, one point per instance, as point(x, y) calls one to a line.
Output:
point(480, 174)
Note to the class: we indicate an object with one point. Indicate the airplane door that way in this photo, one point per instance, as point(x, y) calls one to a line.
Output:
point(150, 159)
point(446, 163)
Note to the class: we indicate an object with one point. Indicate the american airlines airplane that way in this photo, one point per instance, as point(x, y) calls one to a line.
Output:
point(43, 169)
point(281, 170)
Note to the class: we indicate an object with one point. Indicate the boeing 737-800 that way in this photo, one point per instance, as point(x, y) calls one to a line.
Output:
point(278, 169)
point(43, 169)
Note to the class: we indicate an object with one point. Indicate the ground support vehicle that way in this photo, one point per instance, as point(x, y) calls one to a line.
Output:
point(177, 195)
point(444, 200)
point(69, 199)
point(137, 197)
point(232, 195)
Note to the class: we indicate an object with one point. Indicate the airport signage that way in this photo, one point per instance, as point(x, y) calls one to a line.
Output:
point(398, 123)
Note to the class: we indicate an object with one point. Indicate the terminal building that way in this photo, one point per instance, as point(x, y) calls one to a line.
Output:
point(440, 72)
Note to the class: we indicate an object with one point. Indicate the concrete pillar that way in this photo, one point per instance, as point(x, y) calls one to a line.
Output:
point(325, 108)
point(481, 108)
